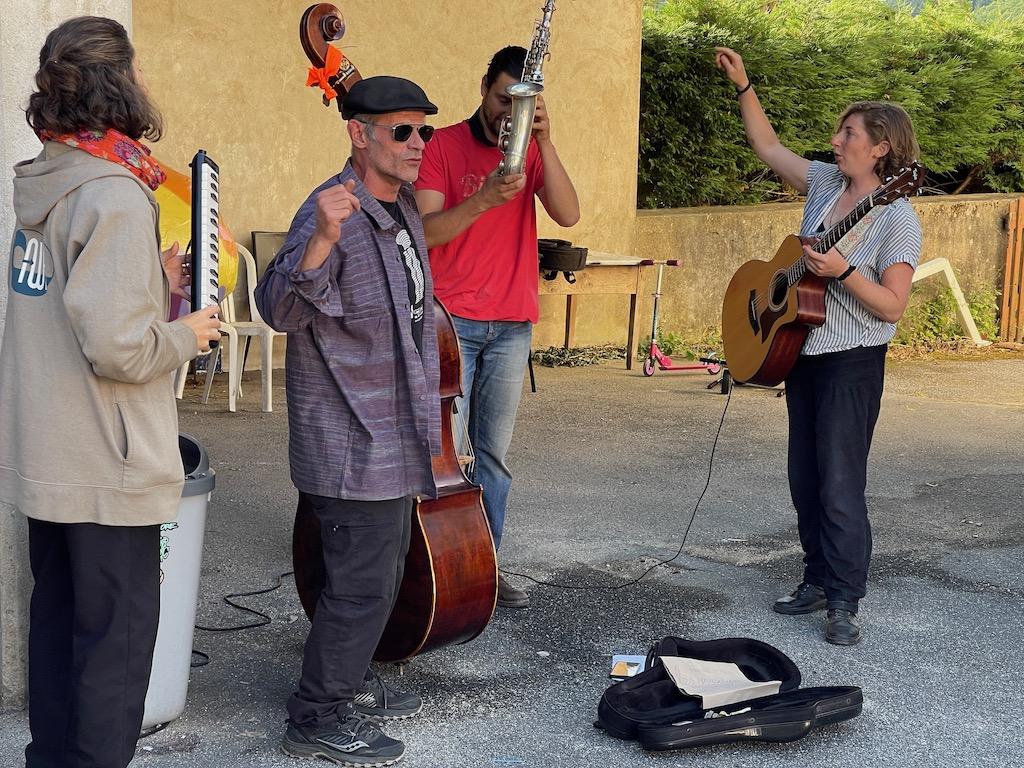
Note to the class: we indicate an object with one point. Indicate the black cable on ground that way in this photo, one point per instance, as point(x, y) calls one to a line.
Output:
point(686, 533)
point(263, 618)
point(201, 659)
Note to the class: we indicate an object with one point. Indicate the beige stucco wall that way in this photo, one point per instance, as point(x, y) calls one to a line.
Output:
point(231, 79)
point(970, 231)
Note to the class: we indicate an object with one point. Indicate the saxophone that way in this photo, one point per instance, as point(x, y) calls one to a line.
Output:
point(517, 127)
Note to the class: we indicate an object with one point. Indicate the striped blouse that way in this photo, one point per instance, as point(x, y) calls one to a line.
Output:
point(893, 237)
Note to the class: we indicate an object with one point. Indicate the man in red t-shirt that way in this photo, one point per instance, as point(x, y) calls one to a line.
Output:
point(481, 229)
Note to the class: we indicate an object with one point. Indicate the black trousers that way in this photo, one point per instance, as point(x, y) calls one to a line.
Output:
point(92, 627)
point(833, 401)
point(364, 548)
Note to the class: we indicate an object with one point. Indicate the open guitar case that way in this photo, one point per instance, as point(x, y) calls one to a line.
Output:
point(651, 709)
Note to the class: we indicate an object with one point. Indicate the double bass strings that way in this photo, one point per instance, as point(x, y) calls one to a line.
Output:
point(667, 561)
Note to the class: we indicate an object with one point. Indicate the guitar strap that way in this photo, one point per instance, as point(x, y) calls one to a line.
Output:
point(849, 242)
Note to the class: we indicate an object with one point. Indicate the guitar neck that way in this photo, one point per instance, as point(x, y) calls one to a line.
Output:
point(833, 236)
point(839, 230)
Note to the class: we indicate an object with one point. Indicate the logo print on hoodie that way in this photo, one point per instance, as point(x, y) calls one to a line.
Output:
point(31, 264)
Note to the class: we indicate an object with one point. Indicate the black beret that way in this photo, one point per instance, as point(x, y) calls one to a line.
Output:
point(381, 94)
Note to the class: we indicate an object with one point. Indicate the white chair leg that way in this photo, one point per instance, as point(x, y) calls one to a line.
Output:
point(267, 371)
point(241, 363)
point(234, 372)
point(211, 367)
point(941, 266)
point(179, 380)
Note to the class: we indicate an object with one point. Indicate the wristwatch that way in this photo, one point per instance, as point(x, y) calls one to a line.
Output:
point(849, 271)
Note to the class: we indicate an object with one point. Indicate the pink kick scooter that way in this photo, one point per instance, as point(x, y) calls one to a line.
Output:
point(655, 357)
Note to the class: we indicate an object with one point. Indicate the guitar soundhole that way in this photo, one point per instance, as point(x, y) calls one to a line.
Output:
point(779, 290)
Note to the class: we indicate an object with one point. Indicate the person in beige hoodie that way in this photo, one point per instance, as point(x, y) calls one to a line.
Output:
point(89, 449)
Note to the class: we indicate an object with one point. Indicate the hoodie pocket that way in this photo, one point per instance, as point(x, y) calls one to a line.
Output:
point(151, 432)
point(122, 436)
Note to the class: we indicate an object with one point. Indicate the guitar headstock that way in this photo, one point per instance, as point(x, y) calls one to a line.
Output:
point(905, 183)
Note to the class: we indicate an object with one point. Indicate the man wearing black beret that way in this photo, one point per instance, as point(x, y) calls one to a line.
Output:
point(352, 288)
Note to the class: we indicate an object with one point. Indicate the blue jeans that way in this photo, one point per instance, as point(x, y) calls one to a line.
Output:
point(494, 358)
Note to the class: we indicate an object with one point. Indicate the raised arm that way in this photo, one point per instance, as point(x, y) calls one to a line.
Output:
point(558, 195)
point(788, 165)
point(300, 281)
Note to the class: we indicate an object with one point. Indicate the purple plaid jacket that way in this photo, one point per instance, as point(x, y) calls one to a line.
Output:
point(364, 413)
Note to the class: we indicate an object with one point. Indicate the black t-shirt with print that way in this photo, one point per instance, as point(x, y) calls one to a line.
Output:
point(413, 265)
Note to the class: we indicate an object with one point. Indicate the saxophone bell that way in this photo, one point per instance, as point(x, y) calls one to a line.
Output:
point(517, 127)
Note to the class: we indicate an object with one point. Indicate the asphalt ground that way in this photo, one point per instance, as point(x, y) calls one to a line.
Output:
point(608, 467)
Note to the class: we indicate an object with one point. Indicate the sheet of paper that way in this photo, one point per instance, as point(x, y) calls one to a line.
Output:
point(717, 683)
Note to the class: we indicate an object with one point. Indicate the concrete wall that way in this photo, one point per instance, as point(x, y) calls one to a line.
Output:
point(24, 25)
point(232, 80)
point(969, 230)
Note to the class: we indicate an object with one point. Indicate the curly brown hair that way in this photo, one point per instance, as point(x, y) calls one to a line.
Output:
point(886, 121)
point(86, 82)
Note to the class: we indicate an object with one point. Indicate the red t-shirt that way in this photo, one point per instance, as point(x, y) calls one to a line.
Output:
point(489, 272)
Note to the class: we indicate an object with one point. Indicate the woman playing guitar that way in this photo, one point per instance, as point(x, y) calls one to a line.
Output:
point(834, 390)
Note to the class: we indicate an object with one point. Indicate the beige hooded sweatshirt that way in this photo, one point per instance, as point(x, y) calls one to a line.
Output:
point(88, 423)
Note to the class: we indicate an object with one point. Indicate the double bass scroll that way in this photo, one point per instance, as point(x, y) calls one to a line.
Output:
point(332, 71)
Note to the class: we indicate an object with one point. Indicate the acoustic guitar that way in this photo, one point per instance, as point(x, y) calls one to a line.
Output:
point(771, 306)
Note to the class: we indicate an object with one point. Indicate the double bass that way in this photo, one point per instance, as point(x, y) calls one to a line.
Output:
point(450, 584)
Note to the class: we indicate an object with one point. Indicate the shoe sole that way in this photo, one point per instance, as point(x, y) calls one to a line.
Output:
point(842, 641)
point(513, 603)
point(312, 752)
point(377, 715)
point(785, 610)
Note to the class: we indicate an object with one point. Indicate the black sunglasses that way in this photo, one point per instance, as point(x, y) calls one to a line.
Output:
point(403, 131)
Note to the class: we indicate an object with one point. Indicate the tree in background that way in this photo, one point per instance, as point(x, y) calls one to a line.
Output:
point(959, 73)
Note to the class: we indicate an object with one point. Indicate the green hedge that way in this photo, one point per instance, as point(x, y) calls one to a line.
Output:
point(959, 73)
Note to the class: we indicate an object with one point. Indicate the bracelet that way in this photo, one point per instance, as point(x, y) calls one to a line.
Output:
point(849, 271)
point(745, 88)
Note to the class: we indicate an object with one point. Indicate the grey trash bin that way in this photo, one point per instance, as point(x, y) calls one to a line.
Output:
point(181, 556)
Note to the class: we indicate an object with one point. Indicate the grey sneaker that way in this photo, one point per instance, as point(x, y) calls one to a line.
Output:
point(380, 701)
point(355, 742)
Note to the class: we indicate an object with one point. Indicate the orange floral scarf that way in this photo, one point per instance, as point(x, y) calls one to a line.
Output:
point(117, 148)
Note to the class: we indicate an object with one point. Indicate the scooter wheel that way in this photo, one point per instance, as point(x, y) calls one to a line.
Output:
point(713, 369)
point(649, 366)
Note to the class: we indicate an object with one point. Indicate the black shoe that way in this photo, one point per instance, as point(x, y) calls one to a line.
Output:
point(509, 596)
point(380, 701)
point(842, 627)
point(807, 598)
point(354, 742)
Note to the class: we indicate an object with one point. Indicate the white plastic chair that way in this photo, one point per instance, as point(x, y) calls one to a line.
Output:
point(227, 310)
point(248, 329)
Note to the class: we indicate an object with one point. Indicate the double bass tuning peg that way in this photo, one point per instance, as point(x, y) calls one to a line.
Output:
point(332, 26)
